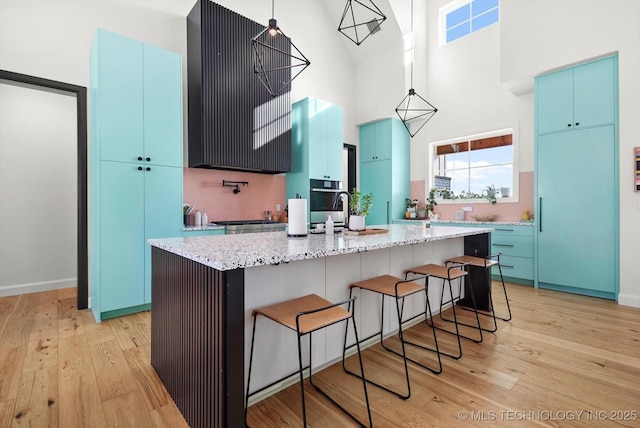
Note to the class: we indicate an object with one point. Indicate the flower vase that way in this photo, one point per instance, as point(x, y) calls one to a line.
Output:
point(356, 222)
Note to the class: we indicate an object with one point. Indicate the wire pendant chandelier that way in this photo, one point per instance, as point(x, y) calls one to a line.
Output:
point(414, 107)
point(277, 61)
point(368, 22)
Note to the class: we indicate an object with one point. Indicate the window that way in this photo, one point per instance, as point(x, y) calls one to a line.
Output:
point(468, 166)
point(463, 17)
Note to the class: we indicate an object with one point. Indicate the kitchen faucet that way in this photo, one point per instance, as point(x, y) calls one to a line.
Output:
point(344, 192)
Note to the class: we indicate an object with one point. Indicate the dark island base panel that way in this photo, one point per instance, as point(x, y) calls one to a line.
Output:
point(197, 338)
point(477, 245)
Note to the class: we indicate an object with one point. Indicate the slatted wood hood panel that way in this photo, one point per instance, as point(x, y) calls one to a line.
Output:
point(234, 123)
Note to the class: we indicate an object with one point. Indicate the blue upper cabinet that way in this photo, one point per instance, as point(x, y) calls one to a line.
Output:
point(384, 169)
point(374, 141)
point(325, 140)
point(119, 75)
point(162, 106)
point(316, 146)
point(582, 96)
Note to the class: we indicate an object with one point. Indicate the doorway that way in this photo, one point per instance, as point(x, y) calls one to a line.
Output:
point(29, 171)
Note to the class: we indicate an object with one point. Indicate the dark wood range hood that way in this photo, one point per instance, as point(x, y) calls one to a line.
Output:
point(234, 123)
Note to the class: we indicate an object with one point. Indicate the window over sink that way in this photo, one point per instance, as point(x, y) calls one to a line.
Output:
point(466, 168)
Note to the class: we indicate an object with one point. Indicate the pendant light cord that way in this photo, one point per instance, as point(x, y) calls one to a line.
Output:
point(272, 9)
point(413, 45)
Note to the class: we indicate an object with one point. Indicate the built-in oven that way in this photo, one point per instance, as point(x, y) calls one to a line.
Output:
point(325, 200)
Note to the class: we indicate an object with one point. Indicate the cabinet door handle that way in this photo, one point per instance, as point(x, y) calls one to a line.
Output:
point(506, 266)
point(148, 159)
point(388, 221)
point(504, 230)
point(139, 158)
point(568, 124)
point(139, 168)
point(577, 123)
point(148, 169)
point(503, 245)
point(540, 214)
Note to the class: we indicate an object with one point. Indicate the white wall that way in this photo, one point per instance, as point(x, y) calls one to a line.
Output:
point(38, 190)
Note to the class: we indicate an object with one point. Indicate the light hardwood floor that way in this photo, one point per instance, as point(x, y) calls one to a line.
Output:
point(564, 360)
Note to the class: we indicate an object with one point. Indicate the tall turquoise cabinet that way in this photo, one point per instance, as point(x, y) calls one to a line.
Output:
point(384, 169)
point(316, 146)
point(135, 167)
point(577, 202)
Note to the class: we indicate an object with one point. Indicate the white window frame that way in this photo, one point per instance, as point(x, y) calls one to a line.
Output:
point(515, 190)
point(442, 19)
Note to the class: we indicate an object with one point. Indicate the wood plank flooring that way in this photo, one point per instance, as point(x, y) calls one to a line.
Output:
point(564, 360)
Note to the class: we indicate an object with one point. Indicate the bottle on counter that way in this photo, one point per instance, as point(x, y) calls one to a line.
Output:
point(198, 218)
point(205, 218)
point(328, 226)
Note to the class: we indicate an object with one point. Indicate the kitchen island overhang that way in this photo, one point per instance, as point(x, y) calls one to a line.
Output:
point(204, 288)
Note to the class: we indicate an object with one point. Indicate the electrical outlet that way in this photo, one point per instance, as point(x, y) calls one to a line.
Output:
point(468, 209)
point(277, 207)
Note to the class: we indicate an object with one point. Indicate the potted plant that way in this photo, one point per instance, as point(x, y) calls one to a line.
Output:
point(431, 200)
point(359, 206)
point(491, 193)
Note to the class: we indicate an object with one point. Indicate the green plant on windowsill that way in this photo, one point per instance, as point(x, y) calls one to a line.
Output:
point(360, 204)
point(491, 194)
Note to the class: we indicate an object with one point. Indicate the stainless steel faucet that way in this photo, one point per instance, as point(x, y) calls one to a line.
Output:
point(344, 192)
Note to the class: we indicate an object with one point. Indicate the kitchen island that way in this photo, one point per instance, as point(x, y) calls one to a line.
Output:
point(204, 289)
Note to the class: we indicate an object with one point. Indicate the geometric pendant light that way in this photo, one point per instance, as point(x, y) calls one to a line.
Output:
point(360, 19)
point(413, 107)
point(276, 58)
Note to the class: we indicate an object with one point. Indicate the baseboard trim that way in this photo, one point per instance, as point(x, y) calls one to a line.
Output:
point(629, 300)
point(35, 287)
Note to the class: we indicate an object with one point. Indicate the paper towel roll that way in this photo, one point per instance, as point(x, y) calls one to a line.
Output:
point(297, 217)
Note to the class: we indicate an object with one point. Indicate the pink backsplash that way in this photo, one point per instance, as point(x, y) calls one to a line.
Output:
point(203, 188)
point(506, 211)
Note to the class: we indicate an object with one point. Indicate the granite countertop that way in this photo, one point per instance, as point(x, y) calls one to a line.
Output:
point(227, 252)
point(497, 223)
point(209, 226)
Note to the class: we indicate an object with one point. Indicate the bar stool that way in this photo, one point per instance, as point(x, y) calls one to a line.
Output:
point(398, 288)
point(306, 315)
point(447, 274)
point(487, 263)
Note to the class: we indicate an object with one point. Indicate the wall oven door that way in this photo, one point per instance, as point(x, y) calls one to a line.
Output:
point(325, 200)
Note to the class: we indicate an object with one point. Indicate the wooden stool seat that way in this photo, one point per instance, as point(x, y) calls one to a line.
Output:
point(399, 289)
point(473, 261)
point(487, 263)
point(305, 315)
point(437, 271)
point(386, 284)
point(285, 313)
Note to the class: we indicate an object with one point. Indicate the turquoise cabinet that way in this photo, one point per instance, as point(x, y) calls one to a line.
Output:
point(136, 167)
point(325, 140)
point(376, 137)
point(576, 183)
point(384, 169)
point(317, 145)
point(514, 244)
point(575, 170)
point(582, 96)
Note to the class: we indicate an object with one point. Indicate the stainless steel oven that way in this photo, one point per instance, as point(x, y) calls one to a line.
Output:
point(325, 200)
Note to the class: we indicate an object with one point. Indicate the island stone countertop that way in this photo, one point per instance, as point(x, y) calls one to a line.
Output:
point(227, 252)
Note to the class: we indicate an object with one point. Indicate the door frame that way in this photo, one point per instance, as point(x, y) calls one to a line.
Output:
point(81, 101)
